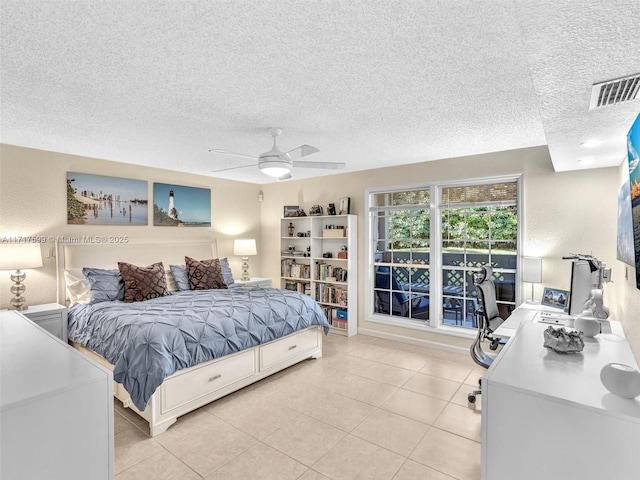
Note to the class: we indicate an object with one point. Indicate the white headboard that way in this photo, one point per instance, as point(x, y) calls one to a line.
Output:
point(139, 252)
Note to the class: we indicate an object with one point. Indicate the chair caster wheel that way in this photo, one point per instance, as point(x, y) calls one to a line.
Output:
point(471, 398)
point(494, 344)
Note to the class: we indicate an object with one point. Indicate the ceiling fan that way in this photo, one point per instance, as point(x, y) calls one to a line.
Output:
point(279, 164)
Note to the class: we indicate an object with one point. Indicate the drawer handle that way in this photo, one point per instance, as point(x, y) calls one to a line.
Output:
point(215, 377)
point(292, 347)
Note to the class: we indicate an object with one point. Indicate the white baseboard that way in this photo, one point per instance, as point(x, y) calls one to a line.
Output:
point(414, 341)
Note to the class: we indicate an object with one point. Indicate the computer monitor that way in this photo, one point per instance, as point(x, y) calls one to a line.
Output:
point(583, 280)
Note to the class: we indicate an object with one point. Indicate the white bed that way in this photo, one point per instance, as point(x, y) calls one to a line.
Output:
point(193, 387)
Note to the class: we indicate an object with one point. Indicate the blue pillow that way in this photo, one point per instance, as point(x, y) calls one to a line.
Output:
point(226, 271)
point(181, 277)
point(104, 285)
point(179, 273)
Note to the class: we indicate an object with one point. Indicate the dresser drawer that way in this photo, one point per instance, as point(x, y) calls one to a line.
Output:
point(285, 349)
point(181, 389)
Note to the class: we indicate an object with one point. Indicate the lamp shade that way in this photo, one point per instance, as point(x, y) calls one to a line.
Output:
point(20, 256)
point(532, 269)
point(245, 247)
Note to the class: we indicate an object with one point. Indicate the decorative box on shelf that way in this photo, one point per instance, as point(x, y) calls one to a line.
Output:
point(334, 233)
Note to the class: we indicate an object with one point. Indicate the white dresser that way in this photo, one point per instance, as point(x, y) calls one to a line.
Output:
point(546, 415)
point(56, 407)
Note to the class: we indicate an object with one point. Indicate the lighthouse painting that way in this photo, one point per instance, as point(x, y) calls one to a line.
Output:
point(181, 206)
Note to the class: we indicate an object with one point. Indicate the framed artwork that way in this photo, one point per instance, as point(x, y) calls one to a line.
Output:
point(291, 210)
point(624, 246)
point(552, 297)
point(344, 206)
point(180, 206)
point(101, 200)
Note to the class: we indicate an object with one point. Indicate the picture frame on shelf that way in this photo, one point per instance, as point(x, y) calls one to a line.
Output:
point(291, 211)
point(331, 209)
point(344, 206)
point(553, 297)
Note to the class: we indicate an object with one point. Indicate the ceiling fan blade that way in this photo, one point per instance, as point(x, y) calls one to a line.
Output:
point(217, 150)
point(286, 176)
point(326, 165)
point(234, 168)
point(301, 151)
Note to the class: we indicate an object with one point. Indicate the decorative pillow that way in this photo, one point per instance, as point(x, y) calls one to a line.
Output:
point(205, 275)
point(172, 286)
point(227, 274)
point(77, 287)
point(143, 283)
point(105, 285)
point(179, 273)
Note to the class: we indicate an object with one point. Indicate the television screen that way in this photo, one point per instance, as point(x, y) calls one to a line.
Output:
point(633, 147)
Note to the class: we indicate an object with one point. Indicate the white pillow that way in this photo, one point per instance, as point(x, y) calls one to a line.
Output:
point(77, 287)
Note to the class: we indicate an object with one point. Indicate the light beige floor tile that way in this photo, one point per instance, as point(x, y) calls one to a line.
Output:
point(354, 458)
point(350, 363)
point(129, 414)
point(162, 466)
point(371, 352)
point(312, 475)
point(305, 439)
point(360, 388)
point(433, 386)
point(329, 407)
point(120, 424)
point(205, 442)
point(132, 447)
point(449, 370)
point(387, 374)
point(416, 406)
point(393, 432)
point(259, 462)
point(475, 374)
point(415, 471)
point(405, 359)
point(461, 397)
point(449, 453)
point(461, 421)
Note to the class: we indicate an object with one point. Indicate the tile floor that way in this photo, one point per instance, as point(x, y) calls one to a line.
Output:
point(368, 409)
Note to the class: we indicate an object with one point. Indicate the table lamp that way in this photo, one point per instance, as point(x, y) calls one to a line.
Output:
point(245, 247)
point(18, 257)
point(532, 273)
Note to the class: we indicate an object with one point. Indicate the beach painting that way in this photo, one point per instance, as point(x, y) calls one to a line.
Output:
point(180, 206)
point(102, 200)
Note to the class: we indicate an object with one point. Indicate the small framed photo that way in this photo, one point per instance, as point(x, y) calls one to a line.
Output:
point(291, 210)
point(552, 297)
point(344, 207)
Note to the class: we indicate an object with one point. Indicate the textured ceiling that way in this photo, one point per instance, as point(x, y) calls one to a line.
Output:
point(369, 83)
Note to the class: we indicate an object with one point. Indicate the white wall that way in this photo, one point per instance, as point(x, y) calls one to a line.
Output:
point(562, 213)
point(33, 201)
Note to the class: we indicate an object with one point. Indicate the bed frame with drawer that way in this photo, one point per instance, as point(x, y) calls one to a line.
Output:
point(193, 387)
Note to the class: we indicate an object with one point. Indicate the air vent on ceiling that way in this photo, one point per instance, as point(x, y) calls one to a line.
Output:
point(615, 91)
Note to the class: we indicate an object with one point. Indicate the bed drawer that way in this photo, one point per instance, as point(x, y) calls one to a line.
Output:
point(287, 348)
point(183, 388)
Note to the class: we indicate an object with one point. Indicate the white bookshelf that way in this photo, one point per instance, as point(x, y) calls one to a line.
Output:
point(304, 268)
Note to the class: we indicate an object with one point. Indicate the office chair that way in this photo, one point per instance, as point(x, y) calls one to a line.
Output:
point(398, 302)
point(488, 320)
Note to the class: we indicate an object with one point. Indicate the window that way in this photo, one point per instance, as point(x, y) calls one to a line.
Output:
point(424, 253)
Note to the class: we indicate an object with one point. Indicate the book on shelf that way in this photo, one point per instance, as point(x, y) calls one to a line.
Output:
point(289, 268)
point(327, 293)
point(334, 317)
point(300, 287)
point(328, 272)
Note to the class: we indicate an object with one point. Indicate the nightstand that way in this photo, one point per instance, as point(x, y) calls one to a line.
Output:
point(50, 316)
point(255, 282)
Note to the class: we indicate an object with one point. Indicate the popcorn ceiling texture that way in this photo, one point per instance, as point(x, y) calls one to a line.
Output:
point(370, 83)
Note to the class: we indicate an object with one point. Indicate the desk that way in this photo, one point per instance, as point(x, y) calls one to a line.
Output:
point(547, 415)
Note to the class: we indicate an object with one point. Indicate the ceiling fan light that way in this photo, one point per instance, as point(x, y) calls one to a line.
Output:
point(275, 168)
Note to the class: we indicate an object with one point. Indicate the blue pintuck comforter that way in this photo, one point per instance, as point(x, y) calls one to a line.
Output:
point(149, 341)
